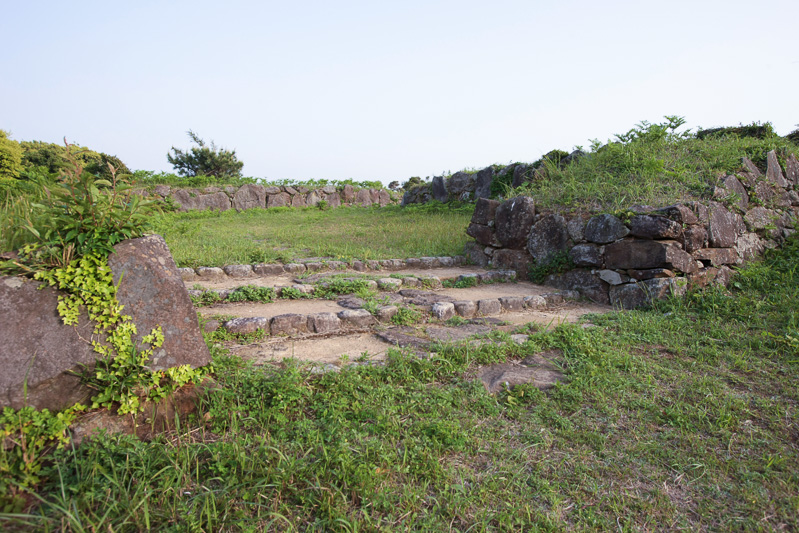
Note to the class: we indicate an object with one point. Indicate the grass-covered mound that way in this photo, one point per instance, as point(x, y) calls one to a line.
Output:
point(652, 164)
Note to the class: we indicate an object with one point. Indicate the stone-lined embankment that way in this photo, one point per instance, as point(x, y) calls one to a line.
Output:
point(626, 259)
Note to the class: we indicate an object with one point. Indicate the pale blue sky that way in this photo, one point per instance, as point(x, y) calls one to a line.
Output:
point(387, 90)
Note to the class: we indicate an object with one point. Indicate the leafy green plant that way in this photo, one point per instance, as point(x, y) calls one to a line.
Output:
point(252, 293)
point(555, 263)
point(205, 298)
point(77, 215)
point(406, 316)
point(121, 374)
point(333, 287)
point(290, 293)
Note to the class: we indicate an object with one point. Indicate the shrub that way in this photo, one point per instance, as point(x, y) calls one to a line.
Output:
point(74, 216)
point(205, 160)
point(10, 157)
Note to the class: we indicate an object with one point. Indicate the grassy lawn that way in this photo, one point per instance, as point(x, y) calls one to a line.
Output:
point(283, 234)
point(679, 417)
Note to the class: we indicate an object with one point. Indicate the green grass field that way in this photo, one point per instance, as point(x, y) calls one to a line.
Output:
point(679, 417)
point(284, 234)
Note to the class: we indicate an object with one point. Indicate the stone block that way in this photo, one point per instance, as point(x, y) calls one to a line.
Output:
point(603, 229)
point(386, 312)
point(516, 260)
point(289, 324)
point(210, 273)
point(187, 274)
point(654, 227)
point(239, 271)
point(482, 182)
point(485, 211)
point(389, 284)
point(465, 308)
point(792, 170)
point(583, 281)
point(683, 213)
point(358, 318)
point(489, 307)
point(645, 254)
point(294, 268)
point(718, 256)
point(694, 238)
point(612, 277)
point(268, 270)
point(774, 172)
point(535, 302)
point(245, 325)
point(511, 303)
point(514, 219)
point(324, 323)
point(548, 237)
point(249, 196)
point(586, 255)
point(482, 234)
point(440, 192)
point(443, 310)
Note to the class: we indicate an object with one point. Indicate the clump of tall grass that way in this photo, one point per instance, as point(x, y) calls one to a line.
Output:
point(652, 164)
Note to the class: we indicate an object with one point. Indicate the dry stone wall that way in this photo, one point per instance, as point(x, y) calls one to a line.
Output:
point(646, 252)
point(253, 196)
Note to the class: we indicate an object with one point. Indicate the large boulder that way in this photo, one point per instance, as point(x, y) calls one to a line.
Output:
point(249, 196)
point(643, 254)
point(484, 211)
point(604, 229)
point(482, 182)
point(547, 237)
point(459, 183)
point(514, 219)
point(654, 227)
point(440, 192)
point(39, 354)
point(723, 227)
point(281, 199)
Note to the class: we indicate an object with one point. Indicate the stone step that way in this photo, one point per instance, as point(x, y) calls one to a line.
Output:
point(317, 265)
point(298, 317)
point(309, 286)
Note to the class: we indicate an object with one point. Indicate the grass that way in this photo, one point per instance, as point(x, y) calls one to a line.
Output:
point(285, 234)
point(683, 416)
point(649, 165)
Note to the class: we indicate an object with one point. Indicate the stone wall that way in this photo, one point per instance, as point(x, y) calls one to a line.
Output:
point(647, 251)
point(470, 186)
point(259, 196)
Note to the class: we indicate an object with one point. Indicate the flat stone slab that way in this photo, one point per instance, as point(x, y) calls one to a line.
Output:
point(456, 333)
point(508, 375)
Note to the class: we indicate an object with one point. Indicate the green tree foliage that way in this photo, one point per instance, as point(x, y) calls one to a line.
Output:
point(51, 159)
point(10, 157)
point(205, 160)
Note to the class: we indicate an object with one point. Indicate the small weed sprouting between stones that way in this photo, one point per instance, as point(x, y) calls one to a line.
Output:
point(407, 316)
point(461, 283)
point(556, 263)
point(252, 293)
point(290, 293)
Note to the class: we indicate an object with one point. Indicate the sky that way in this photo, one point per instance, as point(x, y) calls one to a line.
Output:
point(387, 90)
